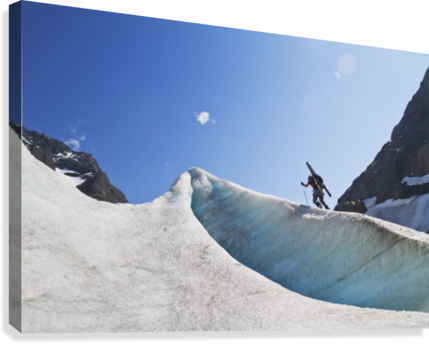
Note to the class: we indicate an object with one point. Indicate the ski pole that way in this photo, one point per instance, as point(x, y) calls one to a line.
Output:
point(305, 196)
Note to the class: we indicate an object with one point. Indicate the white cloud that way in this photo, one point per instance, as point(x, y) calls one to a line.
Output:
point(337, 75)
point(73, 128)
point(204, 117)
point(73, 144)
point(77, 137)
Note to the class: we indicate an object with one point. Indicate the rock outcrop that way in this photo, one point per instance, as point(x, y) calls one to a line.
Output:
point(83, 166)
point(405, 155)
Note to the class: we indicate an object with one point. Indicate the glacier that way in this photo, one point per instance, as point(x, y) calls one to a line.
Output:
point(207, 255)
point(338, 257)
point(410, 212)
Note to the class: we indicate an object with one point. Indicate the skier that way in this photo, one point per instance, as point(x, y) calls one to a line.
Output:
point(317, 192)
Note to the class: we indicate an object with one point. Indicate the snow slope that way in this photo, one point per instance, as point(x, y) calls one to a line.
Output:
point(72, 176)
point(338, 257)
point(412, 212)
point(92, 266)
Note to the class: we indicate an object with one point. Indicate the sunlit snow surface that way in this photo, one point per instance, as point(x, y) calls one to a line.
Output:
point(74, 180)
point(91, 266)
point(416, 180)
point(412, 212)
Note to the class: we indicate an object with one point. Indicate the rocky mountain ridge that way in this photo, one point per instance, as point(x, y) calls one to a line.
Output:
point(81, 168)
point(399, 170)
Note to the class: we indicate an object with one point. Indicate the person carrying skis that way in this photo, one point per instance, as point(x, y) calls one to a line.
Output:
point(317, 192)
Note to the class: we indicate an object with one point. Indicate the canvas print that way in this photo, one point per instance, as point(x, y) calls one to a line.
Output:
point(169, 176)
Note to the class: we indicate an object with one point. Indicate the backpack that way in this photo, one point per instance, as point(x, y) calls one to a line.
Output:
point(319, 179)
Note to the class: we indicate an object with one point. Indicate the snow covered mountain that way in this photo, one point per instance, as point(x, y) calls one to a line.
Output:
point(78, 168)
point(184, 261)
point(395, 186)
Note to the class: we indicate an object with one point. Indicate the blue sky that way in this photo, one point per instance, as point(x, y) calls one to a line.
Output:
point(135, 92)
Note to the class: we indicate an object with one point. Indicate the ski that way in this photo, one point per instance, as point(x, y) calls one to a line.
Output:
point(314, 174)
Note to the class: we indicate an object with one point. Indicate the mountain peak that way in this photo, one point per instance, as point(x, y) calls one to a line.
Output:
point(79, 168)
point(404, 156)
point(416, 117)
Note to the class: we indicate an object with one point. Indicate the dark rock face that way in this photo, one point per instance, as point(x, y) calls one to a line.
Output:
point(56, 154)
point(406, 154)
point(353, 207)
